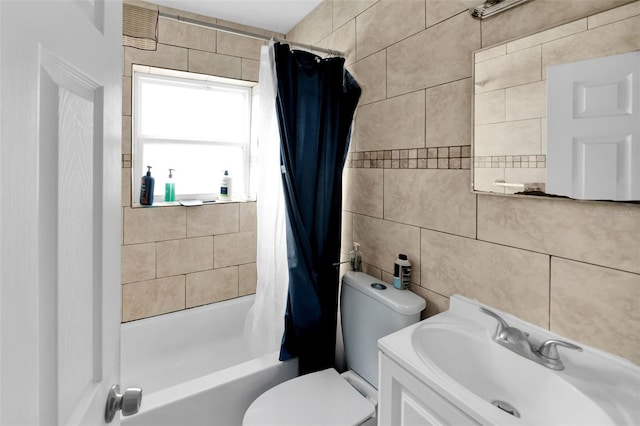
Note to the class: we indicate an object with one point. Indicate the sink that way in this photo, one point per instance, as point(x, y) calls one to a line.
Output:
point(510, 382)
point(455, 354)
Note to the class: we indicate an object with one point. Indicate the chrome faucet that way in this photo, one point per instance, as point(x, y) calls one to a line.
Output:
point(517, 341)
point(547, 353)
point(510, 337)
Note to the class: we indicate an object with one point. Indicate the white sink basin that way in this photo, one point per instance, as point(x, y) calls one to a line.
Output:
point(454, 353)
point(532, 392)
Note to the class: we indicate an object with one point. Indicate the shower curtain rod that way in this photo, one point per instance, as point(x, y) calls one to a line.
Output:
point(246, 33)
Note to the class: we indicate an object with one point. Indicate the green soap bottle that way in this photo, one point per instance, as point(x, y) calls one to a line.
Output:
point(170, 187)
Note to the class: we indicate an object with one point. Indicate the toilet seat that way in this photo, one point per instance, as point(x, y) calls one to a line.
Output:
point(321, 398)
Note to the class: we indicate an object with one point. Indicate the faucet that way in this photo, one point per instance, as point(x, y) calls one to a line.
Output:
point(517, 341)
point(510, 337)
point(548, 355)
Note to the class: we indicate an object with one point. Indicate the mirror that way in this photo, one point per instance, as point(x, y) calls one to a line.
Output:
point(510, 101)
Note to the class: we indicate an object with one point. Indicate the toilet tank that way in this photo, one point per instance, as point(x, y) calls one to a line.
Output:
point(371, 309)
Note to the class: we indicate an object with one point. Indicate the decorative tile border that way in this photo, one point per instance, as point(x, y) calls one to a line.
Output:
point(445, 157)
point(510, 161)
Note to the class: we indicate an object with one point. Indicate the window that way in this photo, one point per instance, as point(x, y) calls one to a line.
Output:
point(198, 126)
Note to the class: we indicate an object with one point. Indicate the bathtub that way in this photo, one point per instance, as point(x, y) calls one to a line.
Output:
point(195, 368)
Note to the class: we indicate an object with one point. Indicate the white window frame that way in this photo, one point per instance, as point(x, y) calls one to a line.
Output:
point(182, 77)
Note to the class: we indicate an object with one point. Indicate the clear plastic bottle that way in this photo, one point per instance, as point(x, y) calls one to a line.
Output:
point(355, 258)
point(170, 187)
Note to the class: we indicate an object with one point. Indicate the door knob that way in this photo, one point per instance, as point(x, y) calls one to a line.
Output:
point(129, 402)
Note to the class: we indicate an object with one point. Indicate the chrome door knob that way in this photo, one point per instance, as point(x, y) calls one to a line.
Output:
point(129, 402)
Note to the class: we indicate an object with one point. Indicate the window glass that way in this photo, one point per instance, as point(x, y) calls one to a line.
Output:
point(199, 128)
point(193, 111)
point(198, 167)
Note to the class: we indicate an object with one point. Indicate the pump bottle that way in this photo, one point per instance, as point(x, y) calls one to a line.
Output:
point(146, 188)
point(225, 187)
point(355, 258)
point(170, 187)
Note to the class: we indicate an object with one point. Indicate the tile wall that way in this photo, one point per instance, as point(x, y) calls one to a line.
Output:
point(176, 257)
point(572, 267)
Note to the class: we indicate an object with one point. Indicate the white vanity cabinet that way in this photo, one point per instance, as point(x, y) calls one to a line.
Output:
point(404, 400)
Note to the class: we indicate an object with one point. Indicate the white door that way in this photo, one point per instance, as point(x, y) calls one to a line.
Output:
point(593, 128)
point(61, 66)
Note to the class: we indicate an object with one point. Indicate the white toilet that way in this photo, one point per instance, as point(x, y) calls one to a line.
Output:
point(370, 310)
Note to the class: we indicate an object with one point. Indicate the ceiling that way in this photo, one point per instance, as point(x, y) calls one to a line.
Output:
point(279, 16)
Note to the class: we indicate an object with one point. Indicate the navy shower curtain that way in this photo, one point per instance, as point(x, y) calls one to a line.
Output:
point(316, 102)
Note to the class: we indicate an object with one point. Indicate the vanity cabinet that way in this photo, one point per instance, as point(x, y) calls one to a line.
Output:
point(404, 400)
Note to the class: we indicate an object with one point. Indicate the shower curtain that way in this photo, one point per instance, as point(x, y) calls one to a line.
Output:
point(316, 102)
point(265, 323)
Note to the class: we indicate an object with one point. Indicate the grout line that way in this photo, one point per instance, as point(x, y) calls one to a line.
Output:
point(476, 201)
point(333, 28)
point(589, 263)
point(550, 292)
point(386, 73)
point(425, 15)
point(392, 97)
point(383, 179)
point(481, 41)
point(424, 124)
point(451, 17)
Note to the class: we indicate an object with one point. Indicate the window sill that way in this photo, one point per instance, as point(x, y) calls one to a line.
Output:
point(204, 203)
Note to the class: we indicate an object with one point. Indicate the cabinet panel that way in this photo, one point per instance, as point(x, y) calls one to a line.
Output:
point(406, 401)
point(593, 128)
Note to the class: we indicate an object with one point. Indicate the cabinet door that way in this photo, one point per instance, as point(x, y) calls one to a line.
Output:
point(406, 401)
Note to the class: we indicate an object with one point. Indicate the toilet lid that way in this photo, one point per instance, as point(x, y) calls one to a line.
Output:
point(321, 398)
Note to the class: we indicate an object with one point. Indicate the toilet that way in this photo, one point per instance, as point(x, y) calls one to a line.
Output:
point(369, 310)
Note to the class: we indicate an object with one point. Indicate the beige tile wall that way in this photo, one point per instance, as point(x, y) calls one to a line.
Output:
point(570, 266)
point(176, 257)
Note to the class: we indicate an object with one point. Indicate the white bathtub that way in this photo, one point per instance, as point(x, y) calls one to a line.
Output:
point(195, 368)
